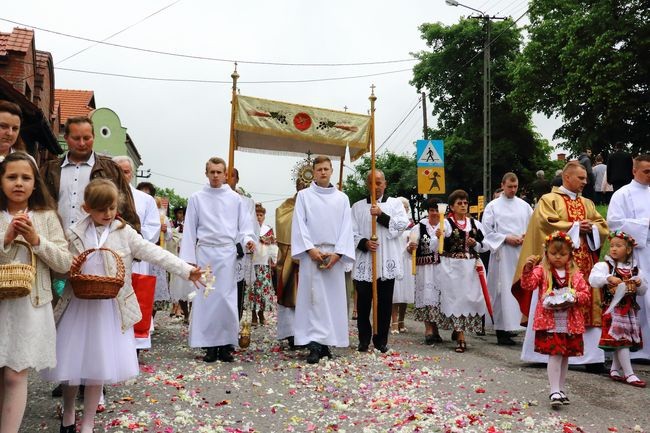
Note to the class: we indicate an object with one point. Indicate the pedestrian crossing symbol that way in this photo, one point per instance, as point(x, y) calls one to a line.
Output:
point(430, 153)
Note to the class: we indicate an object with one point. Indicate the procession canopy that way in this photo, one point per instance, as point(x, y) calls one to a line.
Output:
point(264, 125)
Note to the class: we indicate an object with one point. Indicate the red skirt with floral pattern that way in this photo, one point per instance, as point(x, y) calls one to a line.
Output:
point(559, 343)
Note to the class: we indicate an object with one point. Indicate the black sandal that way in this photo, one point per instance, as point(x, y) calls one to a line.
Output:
point(556, 399)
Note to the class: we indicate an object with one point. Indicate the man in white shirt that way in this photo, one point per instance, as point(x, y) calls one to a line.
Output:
point(391, 221)
point(147, 211)
point(67, 176)
point(629, 211)
point(505, 221)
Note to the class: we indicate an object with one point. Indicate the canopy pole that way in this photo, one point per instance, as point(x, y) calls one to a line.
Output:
point(233, 108)
point(373, 202)
point(341, 173)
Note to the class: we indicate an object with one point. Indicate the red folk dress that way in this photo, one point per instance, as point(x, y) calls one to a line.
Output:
point(558, 332)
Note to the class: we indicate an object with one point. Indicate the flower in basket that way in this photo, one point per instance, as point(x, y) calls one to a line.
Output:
point(559, 298)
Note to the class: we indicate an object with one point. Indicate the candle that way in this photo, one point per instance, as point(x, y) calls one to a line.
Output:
point(442, 208)
point(413, 237)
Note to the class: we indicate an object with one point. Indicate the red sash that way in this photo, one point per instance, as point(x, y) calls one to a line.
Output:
point(144, 287)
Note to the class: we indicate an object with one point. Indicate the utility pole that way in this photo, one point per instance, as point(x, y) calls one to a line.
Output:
point(425, 128)
point(487, 83)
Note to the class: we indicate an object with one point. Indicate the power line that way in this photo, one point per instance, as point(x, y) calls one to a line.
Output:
point(188, 80)
point(118, 32)
point(398, 125)
point(214, 59)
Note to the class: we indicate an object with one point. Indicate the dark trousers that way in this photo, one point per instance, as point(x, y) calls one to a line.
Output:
point(240, 298)
point(616, 186)
point(364, 309)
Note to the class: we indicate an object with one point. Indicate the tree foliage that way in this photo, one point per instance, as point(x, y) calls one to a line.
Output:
point(452, 73)
point(588, 62)
point(400, 174)
point(175, 200)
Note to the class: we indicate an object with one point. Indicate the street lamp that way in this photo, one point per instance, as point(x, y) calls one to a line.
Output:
point(487, 124)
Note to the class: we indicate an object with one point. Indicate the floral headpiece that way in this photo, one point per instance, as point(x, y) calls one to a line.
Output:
point(558, 236)
point(622, 235)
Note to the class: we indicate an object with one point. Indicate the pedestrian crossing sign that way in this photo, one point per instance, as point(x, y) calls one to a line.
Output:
point(431, 180)
point(430, 153)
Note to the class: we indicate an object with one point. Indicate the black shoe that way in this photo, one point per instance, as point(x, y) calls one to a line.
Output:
point(69, 429)
point(325, 351)
point(383, 348)
point(362, 347)
point(314, 353)
point(556, 400)
point(595, 368)
point(58, 391)
point(212, 354)
point(224, 354)
point(504, 339)
point(292, 344)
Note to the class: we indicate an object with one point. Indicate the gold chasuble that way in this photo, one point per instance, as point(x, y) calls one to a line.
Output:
point(286, 268)
point(557, 211)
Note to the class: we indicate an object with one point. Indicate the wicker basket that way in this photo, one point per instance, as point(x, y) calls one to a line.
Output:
point(16, 279)
point(96, 286)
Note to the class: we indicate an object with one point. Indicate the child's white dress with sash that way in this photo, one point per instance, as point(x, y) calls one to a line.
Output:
point(91, 348)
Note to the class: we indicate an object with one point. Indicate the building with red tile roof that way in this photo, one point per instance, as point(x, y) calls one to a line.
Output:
point(27, 79)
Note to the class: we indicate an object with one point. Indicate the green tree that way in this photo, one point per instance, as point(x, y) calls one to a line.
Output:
point(451, 71)
point(175, 200)
point(400, 174)
point(588, 62)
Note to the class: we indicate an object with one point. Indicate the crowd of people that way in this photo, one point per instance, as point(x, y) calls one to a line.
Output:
point(107, 258)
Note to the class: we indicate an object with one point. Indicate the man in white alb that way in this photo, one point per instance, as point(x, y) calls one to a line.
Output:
point(321, 238)
point(145, 207)
point(629, 210)
point(216, 218)
point(505, 220)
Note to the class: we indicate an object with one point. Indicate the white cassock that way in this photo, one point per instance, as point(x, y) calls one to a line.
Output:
point(215, 219)
point(145, 207)
point(629, 211)
point(322, 219)
point(244, 267)
point(389, 253)
point(404, 291)
point(504, 216)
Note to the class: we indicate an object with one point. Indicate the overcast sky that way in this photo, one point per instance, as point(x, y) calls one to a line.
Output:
point(177, 126)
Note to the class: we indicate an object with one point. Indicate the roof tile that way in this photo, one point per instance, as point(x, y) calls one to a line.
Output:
point(74, 102)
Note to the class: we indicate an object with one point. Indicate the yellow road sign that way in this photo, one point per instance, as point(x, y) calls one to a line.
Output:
point(431, 180)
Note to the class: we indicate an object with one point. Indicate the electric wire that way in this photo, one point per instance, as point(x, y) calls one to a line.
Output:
point(190, 80)
point(398, 125)
point(118, 32)
point(214, 59)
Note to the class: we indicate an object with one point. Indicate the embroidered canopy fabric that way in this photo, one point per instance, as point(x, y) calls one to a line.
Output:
point(283, 128)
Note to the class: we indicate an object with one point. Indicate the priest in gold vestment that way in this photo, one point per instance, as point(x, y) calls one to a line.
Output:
point(286, 269)
point(566, 210)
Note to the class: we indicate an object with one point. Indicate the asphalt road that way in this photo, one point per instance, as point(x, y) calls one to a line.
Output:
point(413, 388)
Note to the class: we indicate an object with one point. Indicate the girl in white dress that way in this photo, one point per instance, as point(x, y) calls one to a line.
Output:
point(95, 341)
point(27, 334)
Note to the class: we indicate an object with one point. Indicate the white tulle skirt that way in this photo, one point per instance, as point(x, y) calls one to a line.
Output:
point(91, 348)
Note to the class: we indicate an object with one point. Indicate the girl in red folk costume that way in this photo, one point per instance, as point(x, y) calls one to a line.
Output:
point(559, 323)
point(620, 281)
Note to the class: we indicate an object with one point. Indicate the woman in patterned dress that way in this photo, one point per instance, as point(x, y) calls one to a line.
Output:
point(261, 295)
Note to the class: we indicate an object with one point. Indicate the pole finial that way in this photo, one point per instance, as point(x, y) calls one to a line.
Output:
point(372, 97)
point(235, 74)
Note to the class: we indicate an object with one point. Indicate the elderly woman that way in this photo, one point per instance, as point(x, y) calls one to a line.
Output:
point(462, 303)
